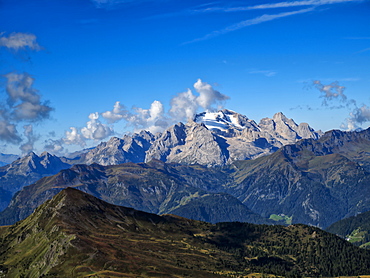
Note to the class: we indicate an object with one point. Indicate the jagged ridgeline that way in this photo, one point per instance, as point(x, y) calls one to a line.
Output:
point(212, 138)
point(315, 181)
point(78, 235)
point(25, 171)
point(156, 187)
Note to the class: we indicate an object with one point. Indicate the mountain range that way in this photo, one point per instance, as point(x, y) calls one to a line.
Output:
point(211, 138)
point(7, 158)
point(296, 182)
point(193, 191)
point(314, 181)
point(77, 235)
point(221, 168)
point(25, 171)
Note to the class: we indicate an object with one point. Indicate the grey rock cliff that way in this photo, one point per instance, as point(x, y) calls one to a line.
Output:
point(212, 138)
point(116, 151)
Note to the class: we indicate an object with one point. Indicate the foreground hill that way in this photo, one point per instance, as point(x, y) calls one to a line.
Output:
point(77, 235)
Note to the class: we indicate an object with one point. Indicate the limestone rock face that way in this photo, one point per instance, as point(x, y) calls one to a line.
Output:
point(169, 140)
point(117, 151)
point(211, 138)
point(189, 144)
point(245, 139)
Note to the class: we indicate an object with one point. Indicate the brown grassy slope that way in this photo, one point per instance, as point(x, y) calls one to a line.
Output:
point(78, 235)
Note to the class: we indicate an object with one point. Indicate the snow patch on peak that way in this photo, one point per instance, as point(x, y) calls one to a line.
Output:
point(222, 120)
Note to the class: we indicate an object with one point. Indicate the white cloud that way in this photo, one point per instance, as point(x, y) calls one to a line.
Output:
point(285, 4)
point(334, 91)
point(94, 129)
point(183, 106)
point(293, 4)
point(154, 119)
point(54, 146)
point(357, 117)
point(8, 132)
point(263, 18)
point(207, 95)
point(17, 41)
point(118, 113)
point(73, 137)
point(23, 100)
point(331, 92)
point(23, 105)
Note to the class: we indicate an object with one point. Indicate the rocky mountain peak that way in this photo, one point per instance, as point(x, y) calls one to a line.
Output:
point(210, 138)
point(131, 148)
point(279, 116)
point(32, 163)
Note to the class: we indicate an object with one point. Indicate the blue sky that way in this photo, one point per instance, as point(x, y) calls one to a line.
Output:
point(74, 73)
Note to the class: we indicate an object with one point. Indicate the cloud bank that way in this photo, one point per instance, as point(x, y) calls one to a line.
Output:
point(332, 92)
point(22, 105)
point(183, 107)
point(18, 41)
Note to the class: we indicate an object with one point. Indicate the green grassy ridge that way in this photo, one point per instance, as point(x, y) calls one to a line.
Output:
point(82, 236)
